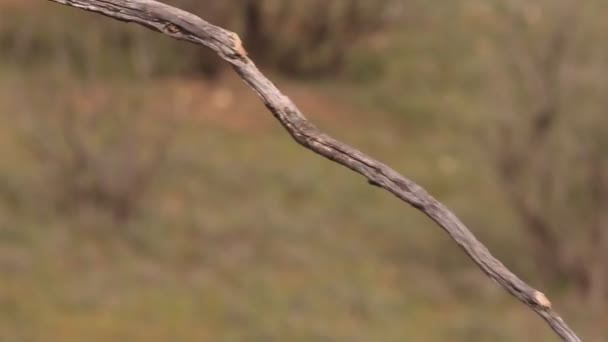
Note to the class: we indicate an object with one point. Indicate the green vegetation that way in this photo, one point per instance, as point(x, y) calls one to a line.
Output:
point(141, 201)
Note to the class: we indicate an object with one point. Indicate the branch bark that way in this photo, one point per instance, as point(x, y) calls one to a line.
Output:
point(186, 26)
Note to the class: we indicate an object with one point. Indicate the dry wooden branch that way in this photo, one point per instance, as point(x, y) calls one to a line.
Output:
point(186, 26)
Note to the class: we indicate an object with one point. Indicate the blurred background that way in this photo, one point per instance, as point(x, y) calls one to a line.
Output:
point(147, 195)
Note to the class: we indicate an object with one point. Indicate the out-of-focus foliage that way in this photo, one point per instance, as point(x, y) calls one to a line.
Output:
point(308, 38)
point(98, 47)
point(299, 37)
point(548, 136)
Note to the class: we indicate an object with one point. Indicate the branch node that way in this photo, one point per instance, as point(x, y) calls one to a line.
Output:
point(171, 28)
point(542, 300)
point(238, 45)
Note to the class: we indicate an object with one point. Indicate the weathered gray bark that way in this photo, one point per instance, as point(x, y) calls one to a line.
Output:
point(186, 26)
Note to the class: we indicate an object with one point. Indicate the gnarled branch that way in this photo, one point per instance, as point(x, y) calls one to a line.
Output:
point(186, 26)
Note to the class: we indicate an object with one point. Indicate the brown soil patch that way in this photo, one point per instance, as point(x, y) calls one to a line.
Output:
point(228, 101)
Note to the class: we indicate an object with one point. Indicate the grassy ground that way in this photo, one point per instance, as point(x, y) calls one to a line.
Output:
point(246, 236)
point(242, 235)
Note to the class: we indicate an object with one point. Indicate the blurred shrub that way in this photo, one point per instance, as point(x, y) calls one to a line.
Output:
point(312, 37)
point(298, 38)
point(98, 47)
point(94, 154)
point(546, 89)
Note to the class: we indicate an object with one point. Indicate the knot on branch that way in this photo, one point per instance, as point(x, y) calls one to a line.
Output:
point(238, 45)
point(171, 28)
point(542, 300)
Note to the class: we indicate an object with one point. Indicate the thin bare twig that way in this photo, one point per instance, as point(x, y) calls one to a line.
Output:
point(186, 26)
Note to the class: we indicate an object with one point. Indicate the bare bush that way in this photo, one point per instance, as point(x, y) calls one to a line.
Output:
point(297, 37)
point(97, 155)
point(300, 38)
point(549, 143)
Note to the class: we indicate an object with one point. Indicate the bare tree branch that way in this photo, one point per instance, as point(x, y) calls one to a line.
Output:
point(186, 26)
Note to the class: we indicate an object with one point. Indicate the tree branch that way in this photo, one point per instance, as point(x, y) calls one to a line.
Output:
point(186, 26)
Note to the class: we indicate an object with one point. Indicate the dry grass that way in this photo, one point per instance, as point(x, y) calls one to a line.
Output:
point(244, 236)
